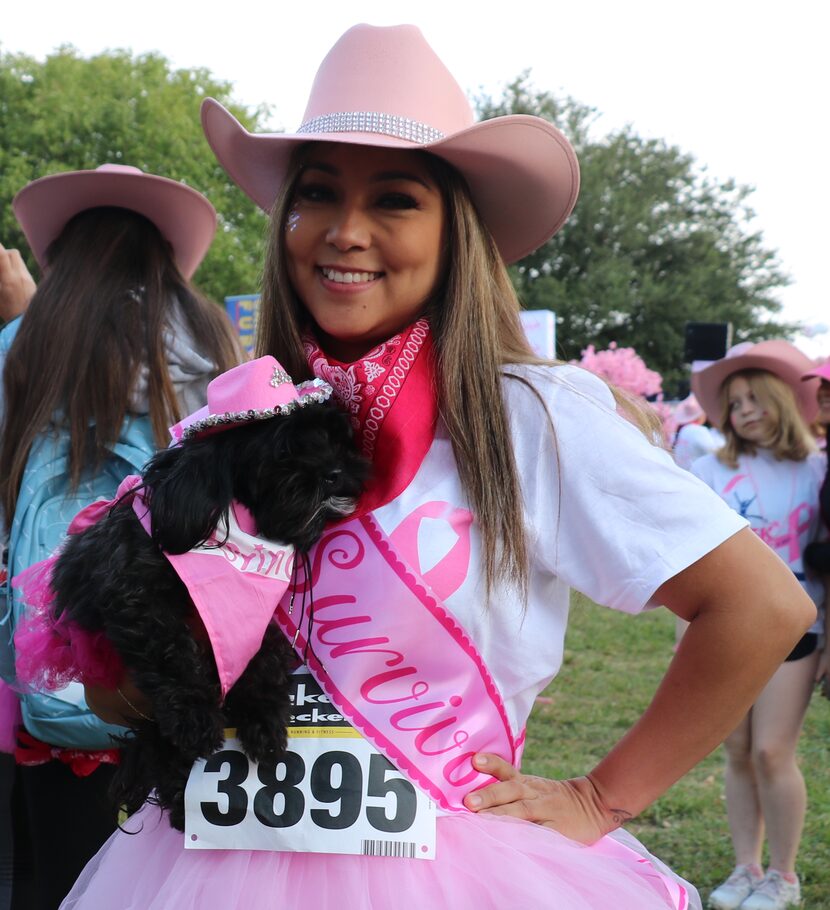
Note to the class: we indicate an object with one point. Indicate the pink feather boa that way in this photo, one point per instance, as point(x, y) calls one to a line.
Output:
point(50, 653)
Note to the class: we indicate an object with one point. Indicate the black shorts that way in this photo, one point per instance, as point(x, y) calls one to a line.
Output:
point(804, 647)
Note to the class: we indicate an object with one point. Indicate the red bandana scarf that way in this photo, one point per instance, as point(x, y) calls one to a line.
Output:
point(391, 397)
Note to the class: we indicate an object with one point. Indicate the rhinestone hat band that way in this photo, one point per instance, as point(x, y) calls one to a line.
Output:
point(373, 122)
point(314, 391)
point(279, 378)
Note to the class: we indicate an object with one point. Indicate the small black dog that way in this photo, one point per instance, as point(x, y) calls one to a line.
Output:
point(294, 472)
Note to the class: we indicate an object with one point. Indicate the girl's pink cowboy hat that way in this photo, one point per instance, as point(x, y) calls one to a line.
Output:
point(778, 357)
point(386, 87)
point(184, 216)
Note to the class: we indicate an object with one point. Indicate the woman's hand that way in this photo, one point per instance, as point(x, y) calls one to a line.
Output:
point(16, 284)
point(571, 807)
point(123, 705)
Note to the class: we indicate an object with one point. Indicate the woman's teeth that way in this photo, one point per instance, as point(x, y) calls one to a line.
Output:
point(349, 277)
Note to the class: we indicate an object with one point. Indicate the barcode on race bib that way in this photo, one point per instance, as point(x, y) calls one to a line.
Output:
point(388, 848)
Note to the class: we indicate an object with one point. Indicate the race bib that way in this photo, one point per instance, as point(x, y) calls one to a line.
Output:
point(332, 792)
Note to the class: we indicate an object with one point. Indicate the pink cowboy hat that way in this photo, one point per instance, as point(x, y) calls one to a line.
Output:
point(255, 390)
point(820, 372)
point(184, 216)
point(386, 87)
point(778, 357)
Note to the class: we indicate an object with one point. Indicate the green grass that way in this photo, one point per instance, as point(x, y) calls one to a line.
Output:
point(613, 664)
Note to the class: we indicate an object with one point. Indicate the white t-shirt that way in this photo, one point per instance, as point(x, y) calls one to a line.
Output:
point(694, 440)
point(606, 513)
point(779, 499)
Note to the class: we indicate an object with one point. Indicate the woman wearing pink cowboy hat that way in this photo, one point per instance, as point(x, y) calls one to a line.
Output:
point(769, 472)
point(817, 555)
point(693, 438)
point(114, 346)
point(500, 481)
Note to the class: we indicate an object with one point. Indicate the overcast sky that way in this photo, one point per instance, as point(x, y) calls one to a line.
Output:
point(743, 86)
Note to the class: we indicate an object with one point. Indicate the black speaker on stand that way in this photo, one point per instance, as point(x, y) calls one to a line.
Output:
point(706, 340)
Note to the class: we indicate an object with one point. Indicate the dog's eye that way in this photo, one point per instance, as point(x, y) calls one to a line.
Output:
point(332, 477)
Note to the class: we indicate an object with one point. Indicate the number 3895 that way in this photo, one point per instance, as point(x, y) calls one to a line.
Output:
point(335, 783)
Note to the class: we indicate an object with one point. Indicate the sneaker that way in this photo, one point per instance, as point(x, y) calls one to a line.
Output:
point(774, 893)
point(736, 889)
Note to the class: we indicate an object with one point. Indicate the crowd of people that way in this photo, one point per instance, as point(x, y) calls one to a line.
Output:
point(499, 482)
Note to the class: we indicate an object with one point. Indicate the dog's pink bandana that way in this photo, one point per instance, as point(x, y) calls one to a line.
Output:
point(235, 581)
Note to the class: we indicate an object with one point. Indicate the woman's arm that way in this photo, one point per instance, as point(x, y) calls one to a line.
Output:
point(745, 611)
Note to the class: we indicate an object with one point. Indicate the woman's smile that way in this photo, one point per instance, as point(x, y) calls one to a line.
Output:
point(349, 277)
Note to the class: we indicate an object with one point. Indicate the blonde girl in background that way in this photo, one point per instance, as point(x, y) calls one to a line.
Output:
point(769, 472)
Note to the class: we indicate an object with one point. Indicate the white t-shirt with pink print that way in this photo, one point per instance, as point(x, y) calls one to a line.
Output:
point(606, 513)
point(779, 499)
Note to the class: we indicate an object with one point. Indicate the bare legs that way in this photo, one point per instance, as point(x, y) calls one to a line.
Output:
point(764, 786)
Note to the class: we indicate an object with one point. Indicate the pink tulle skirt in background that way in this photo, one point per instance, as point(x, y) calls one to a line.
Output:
point(483, 863)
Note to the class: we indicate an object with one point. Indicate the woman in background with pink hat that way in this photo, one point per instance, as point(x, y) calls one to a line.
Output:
point(822, 373)
point(768, 471)
point(817, 554)
point(693, 437)
point(114, 346)
point(500, 481)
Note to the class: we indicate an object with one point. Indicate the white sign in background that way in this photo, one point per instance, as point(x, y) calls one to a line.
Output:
point(540, 328)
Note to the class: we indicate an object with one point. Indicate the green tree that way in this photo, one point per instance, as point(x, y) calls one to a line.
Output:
point(69, 113)
point(653, 243)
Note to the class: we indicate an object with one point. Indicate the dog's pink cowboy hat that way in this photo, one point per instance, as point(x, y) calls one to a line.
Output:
point(255, 390)
point(185, 218)
point(386, 87)
point(781, 358)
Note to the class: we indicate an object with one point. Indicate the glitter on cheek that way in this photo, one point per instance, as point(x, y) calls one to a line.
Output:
point(292, 221)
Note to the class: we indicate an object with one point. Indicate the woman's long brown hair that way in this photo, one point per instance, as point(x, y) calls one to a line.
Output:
point(477, 331)
point(97, 316)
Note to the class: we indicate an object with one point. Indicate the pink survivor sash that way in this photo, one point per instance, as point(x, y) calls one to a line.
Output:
point(396, 663)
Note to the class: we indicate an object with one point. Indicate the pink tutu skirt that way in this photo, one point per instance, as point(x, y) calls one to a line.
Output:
point(483, 863)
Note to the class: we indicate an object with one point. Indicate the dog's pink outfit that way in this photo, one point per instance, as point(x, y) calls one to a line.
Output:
point(234, 578)
point(402, 646)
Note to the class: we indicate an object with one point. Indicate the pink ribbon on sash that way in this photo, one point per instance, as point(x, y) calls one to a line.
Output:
point(396, 663)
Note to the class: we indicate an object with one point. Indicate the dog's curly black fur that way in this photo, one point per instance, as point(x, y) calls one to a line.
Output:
point(294, 473)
